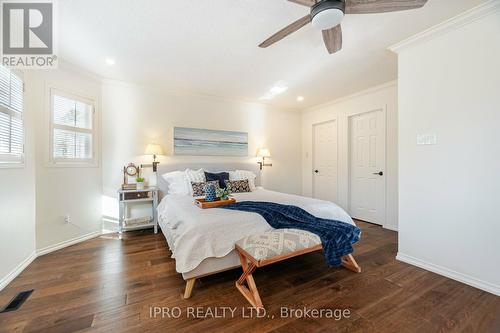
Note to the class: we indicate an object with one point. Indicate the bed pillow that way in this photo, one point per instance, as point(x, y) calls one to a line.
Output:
point(177, 183)
point(194, 176)
point(238, 186)
point(198, 188)
point(221, 177)
point(244, 174)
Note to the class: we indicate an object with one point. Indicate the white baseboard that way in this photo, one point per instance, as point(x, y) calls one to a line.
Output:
point(467, 279)
point(48, 249)
point(61, 245)
point(390, 227)
point(16, 271)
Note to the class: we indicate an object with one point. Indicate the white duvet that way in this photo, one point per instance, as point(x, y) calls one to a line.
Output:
point(194, 234)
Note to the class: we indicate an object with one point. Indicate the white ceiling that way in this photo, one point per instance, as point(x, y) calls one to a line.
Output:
point(210, 46)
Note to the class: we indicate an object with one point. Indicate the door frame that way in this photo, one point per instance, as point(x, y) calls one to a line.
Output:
point(351, 115)
point(313, 155)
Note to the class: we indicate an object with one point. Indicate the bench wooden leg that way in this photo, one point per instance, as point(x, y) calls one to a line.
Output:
point(189, 288)
point(251, 293)
point(351, 264)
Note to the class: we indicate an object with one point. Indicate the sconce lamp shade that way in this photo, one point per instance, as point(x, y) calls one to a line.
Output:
point(263, 152)
point(153, 149)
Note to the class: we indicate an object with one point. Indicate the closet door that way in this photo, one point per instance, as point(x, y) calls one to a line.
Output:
point(367, 166)
point(325, 168)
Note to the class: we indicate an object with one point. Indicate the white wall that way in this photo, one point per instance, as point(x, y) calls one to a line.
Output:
point(62, 191)
point(17, 208)
point(380, 97)
point(137, 115)
point(449, 84)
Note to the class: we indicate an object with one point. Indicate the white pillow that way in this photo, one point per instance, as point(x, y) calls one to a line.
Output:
point(194, 176)
point(177, 183)
point(242, 175)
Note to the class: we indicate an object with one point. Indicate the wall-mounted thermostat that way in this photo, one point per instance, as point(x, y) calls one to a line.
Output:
point(427, 139)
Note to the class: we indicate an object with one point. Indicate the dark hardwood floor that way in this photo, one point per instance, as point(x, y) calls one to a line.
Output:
point(111, 285)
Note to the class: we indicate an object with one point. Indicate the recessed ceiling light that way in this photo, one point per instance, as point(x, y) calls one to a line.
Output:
point(300, 99)
point(276, 90)
point(110, 61)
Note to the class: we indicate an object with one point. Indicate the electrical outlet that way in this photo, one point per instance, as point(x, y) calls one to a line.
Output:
point(67, 219)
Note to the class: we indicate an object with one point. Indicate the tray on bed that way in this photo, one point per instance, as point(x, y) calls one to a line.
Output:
point(202, 203)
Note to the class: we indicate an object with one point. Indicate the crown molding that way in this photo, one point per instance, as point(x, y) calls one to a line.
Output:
point(190, 93)
point(371, 90)
point(68, 66)
point(474, 14)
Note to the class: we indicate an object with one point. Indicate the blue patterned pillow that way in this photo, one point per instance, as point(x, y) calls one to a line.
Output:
point(238, 186)
point(199, 188)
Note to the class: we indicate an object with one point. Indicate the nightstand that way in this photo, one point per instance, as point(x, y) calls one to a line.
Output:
point(126, 197)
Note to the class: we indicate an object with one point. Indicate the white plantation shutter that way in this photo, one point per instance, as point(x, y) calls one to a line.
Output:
point(72, 129)
point(11, 117)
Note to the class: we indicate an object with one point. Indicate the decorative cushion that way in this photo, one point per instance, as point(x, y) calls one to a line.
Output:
point(199, 187)
point(238, 186)
point(244, 174)
point(221, 177)
point(195, 175)
point(278, 242)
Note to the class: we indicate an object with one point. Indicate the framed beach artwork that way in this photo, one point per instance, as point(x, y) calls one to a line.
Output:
point(204, 142)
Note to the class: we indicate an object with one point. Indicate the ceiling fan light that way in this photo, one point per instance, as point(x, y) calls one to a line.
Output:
point(327, 14)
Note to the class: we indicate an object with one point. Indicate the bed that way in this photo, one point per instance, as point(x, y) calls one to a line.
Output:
point(202, 240)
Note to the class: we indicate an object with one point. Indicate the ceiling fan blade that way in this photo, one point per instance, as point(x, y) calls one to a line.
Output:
point(286, 31)
point(333, 39)
point(381, 6)
point(308, 3)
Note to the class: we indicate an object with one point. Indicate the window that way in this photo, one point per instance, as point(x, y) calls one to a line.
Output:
point(73, 130)
point(11, 118)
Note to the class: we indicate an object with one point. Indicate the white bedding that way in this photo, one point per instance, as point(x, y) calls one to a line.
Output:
point(194, 234)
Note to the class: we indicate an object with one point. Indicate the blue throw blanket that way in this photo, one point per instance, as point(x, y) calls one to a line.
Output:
point(337, 237)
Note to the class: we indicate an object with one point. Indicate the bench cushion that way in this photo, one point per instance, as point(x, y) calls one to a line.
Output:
point(278, 242)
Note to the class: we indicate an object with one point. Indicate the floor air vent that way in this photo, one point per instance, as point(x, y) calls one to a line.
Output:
point(17, 301)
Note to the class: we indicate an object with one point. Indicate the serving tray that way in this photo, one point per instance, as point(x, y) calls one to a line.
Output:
point(202, 203)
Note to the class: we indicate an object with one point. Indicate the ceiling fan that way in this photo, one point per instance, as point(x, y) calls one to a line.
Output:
point(327, 15)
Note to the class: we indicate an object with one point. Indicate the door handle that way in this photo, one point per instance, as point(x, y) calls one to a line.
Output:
point(316, 171)
point(379, 173)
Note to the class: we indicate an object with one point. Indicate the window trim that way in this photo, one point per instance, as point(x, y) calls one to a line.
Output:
point(73, 162)
point(10, 161)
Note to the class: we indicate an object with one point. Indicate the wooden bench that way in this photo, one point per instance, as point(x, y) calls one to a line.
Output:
point(273, 246)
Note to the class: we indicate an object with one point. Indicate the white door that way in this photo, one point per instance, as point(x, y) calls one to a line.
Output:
point(325, 161)
point(367, 166)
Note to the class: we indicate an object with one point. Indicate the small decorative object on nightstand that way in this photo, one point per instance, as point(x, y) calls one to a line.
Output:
point(130, 170)
point(140, 183)
point(146, 195)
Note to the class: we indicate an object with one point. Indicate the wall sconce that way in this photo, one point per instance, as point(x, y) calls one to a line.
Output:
point(264, 152)
point(153, 149)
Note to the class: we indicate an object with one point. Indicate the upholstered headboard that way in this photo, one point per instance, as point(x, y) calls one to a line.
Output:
point(210, 167)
